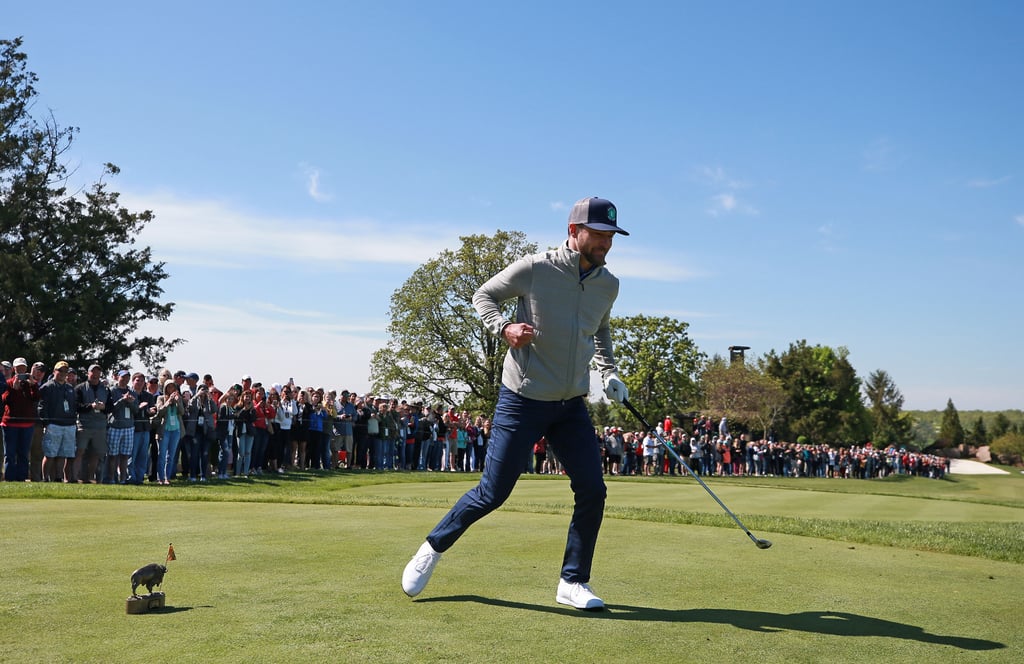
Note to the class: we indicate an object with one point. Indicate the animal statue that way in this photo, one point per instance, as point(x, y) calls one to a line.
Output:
point(148, 575)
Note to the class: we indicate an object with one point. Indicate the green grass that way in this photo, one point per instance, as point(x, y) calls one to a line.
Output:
point(306, 568)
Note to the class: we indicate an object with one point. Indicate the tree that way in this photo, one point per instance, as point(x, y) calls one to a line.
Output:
point(438, 348)
point(822, 393)
point(951, 433)
point(74, 285)
point(1001, 425)
point(889, 424)
point(743, 393)
point(659, 363)
point(1009, 448)
point(978, 436)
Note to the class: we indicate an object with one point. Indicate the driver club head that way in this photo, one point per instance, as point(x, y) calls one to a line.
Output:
point(763, 544)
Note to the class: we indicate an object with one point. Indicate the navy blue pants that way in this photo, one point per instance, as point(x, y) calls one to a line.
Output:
point(518, 424)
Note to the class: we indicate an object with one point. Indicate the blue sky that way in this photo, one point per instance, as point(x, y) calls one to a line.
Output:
point(845, 173)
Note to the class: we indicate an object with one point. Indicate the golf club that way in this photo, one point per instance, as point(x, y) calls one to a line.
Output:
point(761, 543)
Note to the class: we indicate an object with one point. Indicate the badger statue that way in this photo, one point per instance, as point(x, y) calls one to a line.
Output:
point(148, 575)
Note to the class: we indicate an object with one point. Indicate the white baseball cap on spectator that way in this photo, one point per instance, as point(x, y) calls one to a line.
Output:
point(20, 362)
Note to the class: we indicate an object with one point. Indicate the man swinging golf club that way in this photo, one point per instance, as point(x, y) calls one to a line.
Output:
point(564, 301)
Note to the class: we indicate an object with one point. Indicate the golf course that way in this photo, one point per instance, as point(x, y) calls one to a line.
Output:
point(306, 567)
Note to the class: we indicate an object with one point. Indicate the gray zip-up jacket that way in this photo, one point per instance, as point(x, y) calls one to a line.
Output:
point(571, 318)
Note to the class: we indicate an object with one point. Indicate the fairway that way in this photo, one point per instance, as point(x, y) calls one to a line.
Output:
point(296, 582)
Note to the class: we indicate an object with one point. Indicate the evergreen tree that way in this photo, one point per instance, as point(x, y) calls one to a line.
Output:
point(951, 433)
point(978, 435)
point(889, 424)
point(1000, 426)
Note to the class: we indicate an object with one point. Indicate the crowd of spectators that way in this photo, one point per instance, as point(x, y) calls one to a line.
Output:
point(712, 451)
point(64, 425)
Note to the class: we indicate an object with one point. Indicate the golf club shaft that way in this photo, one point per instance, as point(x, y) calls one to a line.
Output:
point(762, 544)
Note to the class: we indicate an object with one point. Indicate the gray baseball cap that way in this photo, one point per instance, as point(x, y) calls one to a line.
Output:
point(596, 213)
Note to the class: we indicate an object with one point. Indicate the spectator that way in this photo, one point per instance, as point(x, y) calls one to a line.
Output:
point(371, 415)
point(35, 458)
point(245, 419)
point(145, 408)
point(226, 432)
point(20, 401)
point(169, 425)
point(58, 417)
point(407, 441)
point(650, 448)
point(286, 414)
point(261, 434)
point(346, 416)
point(300, 430)
point(215, 394)
point(204, 410)
point(318, 421)
point(153, 390)
point(120, 429)
point(93, 399)
point(540, 453)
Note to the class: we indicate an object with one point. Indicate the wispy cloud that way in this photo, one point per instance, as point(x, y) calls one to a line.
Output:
point(985, 183)
point(559, 206)
point(638, 264)
point(232, 340)
point(1019, 219)
point(716, 176)
point(828, 236)
point(729, 203)
point(312, 175)
point(726, 202)
point(881, 155)
point(269, 307)
point(214, 234)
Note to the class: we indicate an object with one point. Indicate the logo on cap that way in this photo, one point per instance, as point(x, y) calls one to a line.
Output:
point(611, 214)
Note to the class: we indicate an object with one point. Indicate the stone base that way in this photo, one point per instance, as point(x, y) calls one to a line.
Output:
point(144, 603)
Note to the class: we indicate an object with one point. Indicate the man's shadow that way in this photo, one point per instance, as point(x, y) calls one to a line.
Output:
point(819, 622)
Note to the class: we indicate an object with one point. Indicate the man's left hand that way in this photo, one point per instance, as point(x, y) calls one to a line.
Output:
point(615, 389)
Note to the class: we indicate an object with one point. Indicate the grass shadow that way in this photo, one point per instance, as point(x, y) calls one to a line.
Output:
point(832, 623)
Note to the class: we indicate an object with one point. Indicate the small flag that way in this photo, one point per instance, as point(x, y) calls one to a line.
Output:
point(170, 553)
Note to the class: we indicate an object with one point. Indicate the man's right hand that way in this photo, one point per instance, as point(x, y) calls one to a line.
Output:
point(519, 334)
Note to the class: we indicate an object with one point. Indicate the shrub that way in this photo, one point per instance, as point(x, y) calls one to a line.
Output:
point(1009, 448)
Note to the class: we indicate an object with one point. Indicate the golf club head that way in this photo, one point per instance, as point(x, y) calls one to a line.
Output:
point(762, 543)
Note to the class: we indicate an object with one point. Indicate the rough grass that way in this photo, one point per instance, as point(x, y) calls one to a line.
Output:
point(976, 516)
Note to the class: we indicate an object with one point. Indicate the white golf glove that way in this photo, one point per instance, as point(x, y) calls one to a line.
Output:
point(615, 389)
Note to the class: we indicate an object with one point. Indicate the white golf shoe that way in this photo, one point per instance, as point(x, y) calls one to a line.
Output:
point(417, 572)
point(578, 595)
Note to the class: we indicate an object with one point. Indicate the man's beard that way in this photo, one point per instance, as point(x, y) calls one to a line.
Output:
point(595, 261)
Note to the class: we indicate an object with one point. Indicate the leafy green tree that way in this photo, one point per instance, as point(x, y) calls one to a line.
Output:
point(1009, 448)
point(659, 363)
point(951, 432)
point(438, 348)
point(74, 285)
point(743, 393)
point(889, 424)
point(823, 399)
